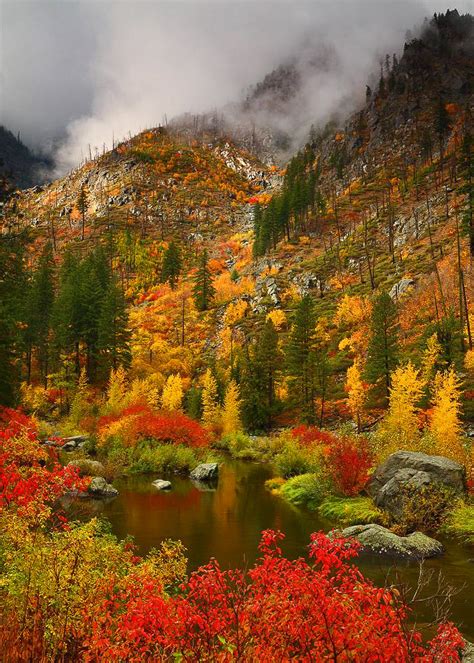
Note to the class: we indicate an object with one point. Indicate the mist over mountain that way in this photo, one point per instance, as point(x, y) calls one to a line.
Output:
point(90, 73)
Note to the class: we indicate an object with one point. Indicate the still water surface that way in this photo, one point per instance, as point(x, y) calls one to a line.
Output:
point(226, 522)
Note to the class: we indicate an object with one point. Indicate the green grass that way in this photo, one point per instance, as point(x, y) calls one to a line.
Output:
point(347, 511)
point(307, 490)
point(461, 523)
point(164, 458)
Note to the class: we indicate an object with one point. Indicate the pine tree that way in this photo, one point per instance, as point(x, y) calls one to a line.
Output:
point(171, 265)
point(82, 203)
point(12, 290)
point(441, 123)
point(301, 356)
point(445, 423)
point(231, 412)
point(204, 290)
point(113, 332)
point(383, 342)
point(356, 392)
point(38, 314)
point(405, 394)
point(210, 406)
point(172, 396)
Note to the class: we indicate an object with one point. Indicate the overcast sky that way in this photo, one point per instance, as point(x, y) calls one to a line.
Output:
point(84, 70)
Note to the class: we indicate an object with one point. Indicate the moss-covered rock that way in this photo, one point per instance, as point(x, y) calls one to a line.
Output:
point(381, 541)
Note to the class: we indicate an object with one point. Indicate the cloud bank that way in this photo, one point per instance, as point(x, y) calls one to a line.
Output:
point(78, 73)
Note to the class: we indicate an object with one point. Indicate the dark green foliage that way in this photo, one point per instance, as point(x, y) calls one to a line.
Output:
point(259, 378)
point(39, 308)
point(12, 293)
point(383, 343)
point(193, 403)
point(203, 290)
point(171, 264)
point(301, 357)
point(113, 333)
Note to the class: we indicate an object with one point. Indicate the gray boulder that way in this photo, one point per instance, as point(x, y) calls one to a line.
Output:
point(205, 472)
point(381, 541)
point(100, 488)
point(408, 471)
point(161, 484)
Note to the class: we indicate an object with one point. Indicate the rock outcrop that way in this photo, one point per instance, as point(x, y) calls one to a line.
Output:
point(205, 472)
point(407, 472)
point(381, 541)
point(100, 488)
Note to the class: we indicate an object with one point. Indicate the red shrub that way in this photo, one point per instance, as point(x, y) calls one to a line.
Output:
point(318, 610)
point(308, 435)
point(349, 460)
point(167, 427)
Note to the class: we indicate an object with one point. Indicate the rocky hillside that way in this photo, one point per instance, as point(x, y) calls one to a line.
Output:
point(18, 166)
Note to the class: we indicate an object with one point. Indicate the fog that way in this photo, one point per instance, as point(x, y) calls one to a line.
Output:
point(75, 74)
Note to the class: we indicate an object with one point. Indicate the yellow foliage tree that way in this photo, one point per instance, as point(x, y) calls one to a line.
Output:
point(278, 317)
point(430, 358)
point(116, 390)
point(231, 413)
point(445, 421)
point(356, 392)
point(469, 360)
point(402, 417)
point(172, 396)
point(210, 407)
point(79, 401)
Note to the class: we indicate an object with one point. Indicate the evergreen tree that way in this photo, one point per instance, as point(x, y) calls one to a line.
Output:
point(39, 308)
point(467, 174)
point(113, 332)
point(301, 356)
point(204, 290)
point(260, 373)
point(12, 291)
point(382, 350)
point(441, 123)
point(82, 202)
point(171, 265)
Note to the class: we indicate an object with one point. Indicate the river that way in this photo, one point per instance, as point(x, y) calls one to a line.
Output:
point(226, 522)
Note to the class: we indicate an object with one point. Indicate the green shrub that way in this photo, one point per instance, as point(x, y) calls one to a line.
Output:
point(295, 460)
point(460, 521)
point(347, 511)
point(307, 490)
point(164, 458)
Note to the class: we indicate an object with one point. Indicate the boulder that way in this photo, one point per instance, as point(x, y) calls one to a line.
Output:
point(412, 470)
point(399, 288)
point(100, 488)
point(161, 484)
point(205, 472)
point(88, 467)
point(441, 469)
point(381, 541)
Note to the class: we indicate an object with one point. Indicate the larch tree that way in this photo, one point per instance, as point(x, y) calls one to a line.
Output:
point(356, 392)
point(445, 424)
point(406, 392)
point(172, 396)
point(116, 390)
point(231, 411)
point(210, 405)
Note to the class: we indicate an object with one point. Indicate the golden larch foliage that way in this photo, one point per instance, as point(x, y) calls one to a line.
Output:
point(172, 396)
point(231, 412)
point(356, 392)
point(210, 406)
point(405, 394)
point(445, 423)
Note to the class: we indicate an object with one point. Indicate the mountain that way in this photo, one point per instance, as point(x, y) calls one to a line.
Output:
point(373, 203)
point(19, 167)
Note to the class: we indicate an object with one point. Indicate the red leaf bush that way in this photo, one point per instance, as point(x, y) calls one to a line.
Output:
point(141, 422)
point(317, 610)
point(349, 460)
point(307, 435)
